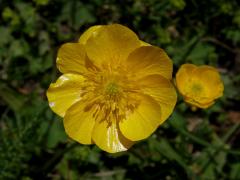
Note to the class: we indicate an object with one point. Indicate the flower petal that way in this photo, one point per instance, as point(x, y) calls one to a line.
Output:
point(112, 43)
point(64, 93)
point(210, 78)
point(149, 60)
point(109, 138)
point(93, 30)
point(143, 43)
point(200, 86)
point(142, 121)
point(198, 104)
point(162, 91)
point(184, 76)
point(79, 123)
point(71, 58)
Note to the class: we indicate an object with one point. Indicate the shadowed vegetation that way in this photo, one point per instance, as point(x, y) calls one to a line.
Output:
point(201, 144)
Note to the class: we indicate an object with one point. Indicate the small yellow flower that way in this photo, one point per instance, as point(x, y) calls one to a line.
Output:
point(199, 86)
point(115, 89)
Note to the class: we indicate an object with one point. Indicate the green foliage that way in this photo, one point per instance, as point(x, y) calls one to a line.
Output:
point(201, 144)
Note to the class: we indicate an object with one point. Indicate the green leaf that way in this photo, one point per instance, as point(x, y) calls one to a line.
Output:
point(55, 134)
point(165, 148)
point(5, 36)
point(201, 54)
point(177, 120)
point(179, 4)
point(234, 173)
point(13, 98)
point(18, 48)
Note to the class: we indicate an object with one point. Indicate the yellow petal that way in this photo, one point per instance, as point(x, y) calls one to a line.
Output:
point(111, 44)
point(143, 43)
point(198, 103)
point(200, 86)
point(161, 90)
point(64, 93)
point(93, 30)
point(184, 77)
point(71, 58)
point(142, 121)
point(109, 138)
point(79, 123)
point(211, 79)
point(149, 60)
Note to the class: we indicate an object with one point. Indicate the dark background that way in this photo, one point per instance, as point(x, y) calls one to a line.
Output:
point(202, 144)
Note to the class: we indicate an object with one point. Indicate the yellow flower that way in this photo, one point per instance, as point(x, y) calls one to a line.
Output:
point(115, 89)
point(199, 86)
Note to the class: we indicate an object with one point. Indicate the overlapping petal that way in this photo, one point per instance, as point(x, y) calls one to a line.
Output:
point(142, 121)
point(71, 58)
point(143, 43)
point(210, 77)
point(118, 115)
point(92, 31)
point(149, 60)
point(112, 44)
point(200, 86)
point(109, 138)
point(161, 90)
point(198, 103)
point(184, 77)
point(79, 123)
point(64, 92)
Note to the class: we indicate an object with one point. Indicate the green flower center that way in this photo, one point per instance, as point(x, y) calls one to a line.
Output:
point(196, 88)
point(112, 89)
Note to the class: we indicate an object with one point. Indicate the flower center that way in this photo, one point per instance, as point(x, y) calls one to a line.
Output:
point(112, 89)
point(110, 94)
point(196, 88)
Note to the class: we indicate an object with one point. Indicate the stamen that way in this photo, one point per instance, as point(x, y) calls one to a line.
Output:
point(109, 94)
point(112, 89)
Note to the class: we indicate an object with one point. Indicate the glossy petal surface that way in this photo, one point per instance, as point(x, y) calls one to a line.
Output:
point(79, 123)
point(143, 121)
point(109, 138)
point(92, 31)
point(64, 92)
point(71, 58)
point(115, 89)
point(161, 90)
point(111, 45)
point(149, 60)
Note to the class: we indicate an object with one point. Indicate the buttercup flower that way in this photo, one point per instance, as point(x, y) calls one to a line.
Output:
point(115, 89)
point(200, 86)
